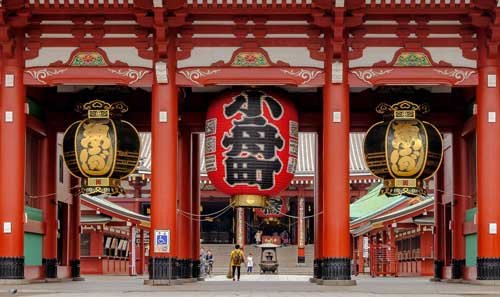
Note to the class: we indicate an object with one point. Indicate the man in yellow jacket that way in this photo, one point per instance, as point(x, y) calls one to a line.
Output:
point(237, 258)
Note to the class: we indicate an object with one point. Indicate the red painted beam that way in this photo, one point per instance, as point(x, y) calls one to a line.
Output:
point(36, 126)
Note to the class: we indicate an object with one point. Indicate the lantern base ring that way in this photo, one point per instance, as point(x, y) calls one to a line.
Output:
point(251, 201)
point(97, 186)
point(403, 186)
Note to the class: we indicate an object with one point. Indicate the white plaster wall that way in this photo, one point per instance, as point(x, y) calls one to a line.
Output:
point(50, 55)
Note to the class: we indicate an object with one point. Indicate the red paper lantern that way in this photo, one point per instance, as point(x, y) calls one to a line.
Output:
point(251, 144)
point(277, 207)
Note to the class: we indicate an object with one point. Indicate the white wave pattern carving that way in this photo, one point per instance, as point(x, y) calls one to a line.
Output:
point(305, 74)
point(195, 74)
point(368, 74)
point(41, 74)
point(134, 75)
point(458, 74)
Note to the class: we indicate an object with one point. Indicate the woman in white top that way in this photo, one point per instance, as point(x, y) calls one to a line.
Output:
point(249, 263)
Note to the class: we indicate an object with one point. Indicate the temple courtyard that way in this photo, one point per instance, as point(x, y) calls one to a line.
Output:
point(253, 285)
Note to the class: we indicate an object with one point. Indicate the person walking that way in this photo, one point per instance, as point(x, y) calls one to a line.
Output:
point(236, 259)
point(258, 237)
point(284, 237)
point(203, 262)
point(249, 263)
point(210, 262)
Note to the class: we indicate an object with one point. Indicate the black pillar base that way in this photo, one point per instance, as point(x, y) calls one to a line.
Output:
point(438, 269)
point(75, 268)
point(185, 268)
point(11, 267)
point(163, 268)
point(301, 260)
point(457, 268)
point(196, 269)
point(336, 269)
point(190, 268)
point(50, 267)
point(316, 269)
point(488, 268)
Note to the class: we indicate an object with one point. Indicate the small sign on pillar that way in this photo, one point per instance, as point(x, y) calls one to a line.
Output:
point(9, 116)
point(9, 80)
point(337, 117)
point(162, 241)
point(492, 117)
point(492, 81)
point(493, 228)
point(163, 117)
point(161, 72)
point(7, 227)
point(337, 72)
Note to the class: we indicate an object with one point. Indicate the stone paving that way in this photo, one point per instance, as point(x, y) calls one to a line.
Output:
point(249, 286)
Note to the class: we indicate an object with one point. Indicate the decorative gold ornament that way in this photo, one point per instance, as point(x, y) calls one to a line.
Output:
point(101, 149)
point(403, 150)
point(254, 201)
point(406, 151)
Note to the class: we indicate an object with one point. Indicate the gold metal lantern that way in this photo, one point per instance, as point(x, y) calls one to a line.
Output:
point(402, 150)
point(101, 149)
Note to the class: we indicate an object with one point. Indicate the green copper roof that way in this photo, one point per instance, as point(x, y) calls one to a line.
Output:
point(408, 209)
point(373, 203)
point(34, 214)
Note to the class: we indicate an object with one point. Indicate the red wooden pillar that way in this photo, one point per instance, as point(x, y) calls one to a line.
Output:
point(301, 244)
point(12, 162)
point(460, 185)
point(49, 203)
point(488, 175)
point(184, 241)
point(318, 209)
point(141, 254)
point(385, 252)
point(438, 224)
point(393, 252)
point(195, 207)
point(132, 256)
point(373, 253)
point(240, 227)
point(361, 259)
point(65, 233)
point(164, 130)
point(336, 236)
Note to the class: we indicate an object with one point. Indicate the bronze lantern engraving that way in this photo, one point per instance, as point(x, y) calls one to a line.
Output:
point(402, 150)
point(101, 149)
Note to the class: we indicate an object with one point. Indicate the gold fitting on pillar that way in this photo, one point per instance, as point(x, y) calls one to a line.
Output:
point(253, 201)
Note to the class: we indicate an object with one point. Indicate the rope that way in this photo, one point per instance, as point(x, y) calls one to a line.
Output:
point(206, 215)
point(455, 194)
point(46, 195)
point(295, 217)
point(203, 220)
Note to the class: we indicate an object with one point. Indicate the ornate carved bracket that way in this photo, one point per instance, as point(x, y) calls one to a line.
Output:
point(203, 76)
point(92, 57)
point(415, 57)
point(376, 76)
point(250, 56)
point(483, 19)
point(88, 66)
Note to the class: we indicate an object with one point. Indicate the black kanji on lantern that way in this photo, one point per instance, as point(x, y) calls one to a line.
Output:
point(250, 104)
point(252, 142)
point(254, 139)
point(252, 171)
